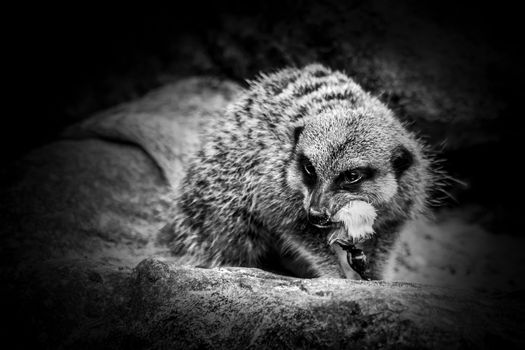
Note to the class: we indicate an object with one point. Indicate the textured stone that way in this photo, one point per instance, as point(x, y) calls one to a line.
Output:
point(159, 305)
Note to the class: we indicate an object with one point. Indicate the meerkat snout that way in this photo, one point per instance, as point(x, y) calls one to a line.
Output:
point(319, 217)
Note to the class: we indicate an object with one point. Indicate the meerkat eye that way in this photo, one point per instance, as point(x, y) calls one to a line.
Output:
point(353, 176)
point(307, 168)
point(348, 179)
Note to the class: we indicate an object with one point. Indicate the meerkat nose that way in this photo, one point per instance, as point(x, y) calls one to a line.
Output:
point(319, 218)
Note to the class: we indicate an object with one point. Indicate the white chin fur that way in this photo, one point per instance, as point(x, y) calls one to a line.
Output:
point(357, 218)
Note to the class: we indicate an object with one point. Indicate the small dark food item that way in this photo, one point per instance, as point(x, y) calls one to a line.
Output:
point(356, 259)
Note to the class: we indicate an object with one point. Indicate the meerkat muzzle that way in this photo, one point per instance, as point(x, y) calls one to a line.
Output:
point(320, 219)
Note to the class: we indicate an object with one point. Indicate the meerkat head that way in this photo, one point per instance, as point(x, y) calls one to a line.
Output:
point(347, 163)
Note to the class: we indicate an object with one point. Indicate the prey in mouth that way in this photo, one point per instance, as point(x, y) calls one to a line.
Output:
point(355, 222)
point(349, 227)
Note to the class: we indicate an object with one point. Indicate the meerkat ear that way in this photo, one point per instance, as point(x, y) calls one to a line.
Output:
point(401, 160)
point(298, 129)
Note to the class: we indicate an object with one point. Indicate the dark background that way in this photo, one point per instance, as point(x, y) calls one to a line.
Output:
point(70, 62)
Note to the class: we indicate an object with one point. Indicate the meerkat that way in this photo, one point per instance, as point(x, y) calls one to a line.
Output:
point(303, 160)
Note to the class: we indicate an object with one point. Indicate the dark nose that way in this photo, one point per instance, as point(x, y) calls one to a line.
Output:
point(319, 218)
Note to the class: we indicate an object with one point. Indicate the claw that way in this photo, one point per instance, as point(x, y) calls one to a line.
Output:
point(342, 242)
point(339, 236)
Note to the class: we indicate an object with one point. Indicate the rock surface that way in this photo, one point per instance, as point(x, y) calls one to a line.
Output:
point(80, 266)
point(157, 305)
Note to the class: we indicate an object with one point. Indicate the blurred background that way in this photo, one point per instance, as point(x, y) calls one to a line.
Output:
point(454, 72)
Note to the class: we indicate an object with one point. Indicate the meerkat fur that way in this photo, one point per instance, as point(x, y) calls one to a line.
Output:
point(302, 157)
